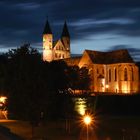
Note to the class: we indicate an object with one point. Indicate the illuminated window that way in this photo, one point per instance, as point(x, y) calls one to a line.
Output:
point(125, 75)
point(109, 75)
point(115, 74)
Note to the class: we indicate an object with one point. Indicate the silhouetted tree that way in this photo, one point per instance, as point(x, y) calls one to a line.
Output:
point(23, 81)
point(84, 79)
point(79, 78)
point(34, 86)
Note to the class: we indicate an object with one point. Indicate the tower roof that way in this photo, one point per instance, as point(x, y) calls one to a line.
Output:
point(65, 32)
point(47, 29)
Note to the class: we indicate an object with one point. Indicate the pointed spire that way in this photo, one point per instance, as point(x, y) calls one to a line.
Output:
point(47, 29)
point(65, 32)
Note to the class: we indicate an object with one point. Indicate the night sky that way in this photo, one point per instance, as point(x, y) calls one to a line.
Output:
point(101, 25)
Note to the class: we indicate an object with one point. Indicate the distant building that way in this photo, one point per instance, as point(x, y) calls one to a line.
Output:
point(111, 72)
point(54, 50)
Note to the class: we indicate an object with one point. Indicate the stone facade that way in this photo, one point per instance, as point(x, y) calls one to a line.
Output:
point(54, 50)
point(110, 72)
point(118, 78)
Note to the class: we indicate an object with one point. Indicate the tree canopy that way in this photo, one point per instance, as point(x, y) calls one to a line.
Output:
point(34, 86)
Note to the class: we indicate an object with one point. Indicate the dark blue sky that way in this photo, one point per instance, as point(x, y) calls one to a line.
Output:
point(101, 25)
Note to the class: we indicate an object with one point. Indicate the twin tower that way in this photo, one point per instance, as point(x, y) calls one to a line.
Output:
point(54, 50)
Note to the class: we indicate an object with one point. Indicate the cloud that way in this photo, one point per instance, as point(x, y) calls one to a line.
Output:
point(134, 52)
point(23, 21)
point(27, 6)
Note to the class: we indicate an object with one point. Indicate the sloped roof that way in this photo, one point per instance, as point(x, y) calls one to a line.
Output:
point(58, 42)
point(47, 29)
point(55, 42)
point(65, 32)
point(117, 56)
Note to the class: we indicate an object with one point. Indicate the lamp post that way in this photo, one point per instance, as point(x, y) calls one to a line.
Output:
point(87, 120)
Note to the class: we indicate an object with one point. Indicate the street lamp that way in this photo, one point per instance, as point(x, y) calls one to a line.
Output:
point(87, 119)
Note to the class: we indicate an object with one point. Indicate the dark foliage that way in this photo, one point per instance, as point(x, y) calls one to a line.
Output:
point(36, 89)
point(79, 78)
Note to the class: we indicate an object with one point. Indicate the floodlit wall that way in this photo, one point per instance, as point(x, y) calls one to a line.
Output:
point(119, 78)
point(47, 47)
point(115, 78)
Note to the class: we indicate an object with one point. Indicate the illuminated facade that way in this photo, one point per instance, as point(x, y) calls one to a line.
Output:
point(111, 72)
point(54, 50)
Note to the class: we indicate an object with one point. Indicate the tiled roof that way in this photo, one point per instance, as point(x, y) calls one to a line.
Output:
point(117, 56)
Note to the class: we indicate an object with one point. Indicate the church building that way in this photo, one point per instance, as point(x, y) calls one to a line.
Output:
point(54, 50)
point(112, 72)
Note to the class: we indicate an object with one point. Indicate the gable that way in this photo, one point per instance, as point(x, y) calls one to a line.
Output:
point(58, 45)
point(85, 60)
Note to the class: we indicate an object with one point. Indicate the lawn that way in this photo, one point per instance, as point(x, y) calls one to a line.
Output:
point(104, 128)
point(50, 130)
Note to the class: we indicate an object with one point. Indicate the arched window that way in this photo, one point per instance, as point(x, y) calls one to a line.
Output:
point(63, 56)
point(59, 55)
point(97, 71)
point(115, 74)
point(55, 55)
point(125, 74)
point(132, 74)
point(109, 75)
point(103, 71)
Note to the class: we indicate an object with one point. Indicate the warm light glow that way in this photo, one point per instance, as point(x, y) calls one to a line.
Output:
point(3, 99)
point(107, 86)
point(87, 119)
point(80, 106)
point(125, 88)
point(81, 109)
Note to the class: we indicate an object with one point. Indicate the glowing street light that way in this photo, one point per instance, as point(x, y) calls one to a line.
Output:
point(87, 119)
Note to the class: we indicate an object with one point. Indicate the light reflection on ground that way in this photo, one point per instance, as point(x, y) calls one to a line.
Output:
point(80, 105)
